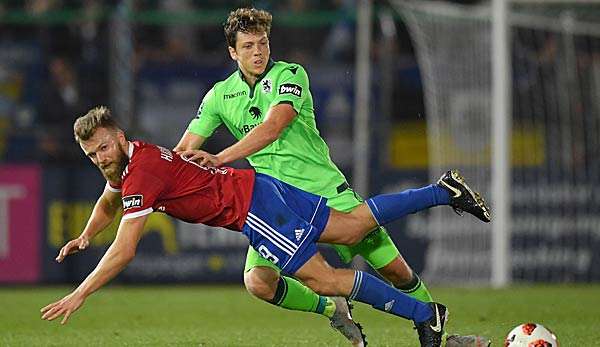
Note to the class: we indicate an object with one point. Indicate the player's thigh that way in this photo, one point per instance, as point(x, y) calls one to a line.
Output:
point(317, 274)
point(254, 259)
point(377, 248)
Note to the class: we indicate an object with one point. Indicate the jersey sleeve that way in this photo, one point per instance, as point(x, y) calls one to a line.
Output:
point(139, 193)
point(207, 118)
point(292, 87)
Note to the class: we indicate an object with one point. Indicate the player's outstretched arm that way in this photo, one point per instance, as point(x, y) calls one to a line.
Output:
point(277, 119)
point(118, 255)
point(102, 215)
point(189, 141)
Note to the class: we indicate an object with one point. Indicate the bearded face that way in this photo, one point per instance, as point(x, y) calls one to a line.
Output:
point(113, 170)
point(107, 148)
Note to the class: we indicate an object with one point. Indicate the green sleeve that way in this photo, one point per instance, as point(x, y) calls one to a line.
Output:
point(207, 119)
point(292, 87)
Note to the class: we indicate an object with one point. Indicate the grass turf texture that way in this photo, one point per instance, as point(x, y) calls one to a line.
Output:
point(227, 316)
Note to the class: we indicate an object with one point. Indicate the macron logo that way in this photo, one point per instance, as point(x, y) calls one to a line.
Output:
point(299, 233)
point(131, 201)
point(290, 88)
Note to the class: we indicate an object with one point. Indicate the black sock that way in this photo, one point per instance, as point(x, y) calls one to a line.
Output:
point(279, 292)
point(411, 286)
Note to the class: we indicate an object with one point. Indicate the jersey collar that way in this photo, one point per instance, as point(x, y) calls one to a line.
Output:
point(270, 65)
point(130, 149)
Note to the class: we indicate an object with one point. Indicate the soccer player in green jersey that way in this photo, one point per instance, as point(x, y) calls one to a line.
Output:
point(268, 107)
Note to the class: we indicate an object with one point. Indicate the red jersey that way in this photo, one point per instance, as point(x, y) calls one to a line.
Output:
point(157, 179)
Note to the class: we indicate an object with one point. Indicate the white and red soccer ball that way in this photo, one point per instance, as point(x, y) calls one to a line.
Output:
point(530, 335)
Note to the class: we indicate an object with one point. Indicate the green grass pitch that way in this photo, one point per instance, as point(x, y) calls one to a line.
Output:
point(227, 316)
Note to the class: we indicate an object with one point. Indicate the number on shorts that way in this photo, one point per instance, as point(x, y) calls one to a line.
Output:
point(264, 251)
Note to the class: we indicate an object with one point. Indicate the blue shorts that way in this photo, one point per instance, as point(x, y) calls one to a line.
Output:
point(284, 223)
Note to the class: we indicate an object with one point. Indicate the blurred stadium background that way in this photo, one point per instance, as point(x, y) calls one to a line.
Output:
point(506, 91)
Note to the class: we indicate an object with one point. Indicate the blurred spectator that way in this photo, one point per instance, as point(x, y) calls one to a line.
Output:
point(339, 44)
point(62, 102)
point(39, 6)
point(178, 36)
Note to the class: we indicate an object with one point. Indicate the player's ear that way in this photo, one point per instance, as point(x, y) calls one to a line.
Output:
point(232, 53)
point(121, 137)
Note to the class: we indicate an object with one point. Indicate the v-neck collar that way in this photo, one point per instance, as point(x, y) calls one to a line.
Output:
point(270, 65)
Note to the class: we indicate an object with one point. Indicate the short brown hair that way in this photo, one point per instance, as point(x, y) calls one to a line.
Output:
point(246, 20)
point(98, 117)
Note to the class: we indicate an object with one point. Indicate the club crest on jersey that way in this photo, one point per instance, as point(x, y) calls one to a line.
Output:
point(255, 112)
point(267, 85)
point(290, 88)
point(131, 201)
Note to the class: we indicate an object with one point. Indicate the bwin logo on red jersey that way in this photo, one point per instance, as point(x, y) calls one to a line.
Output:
point(131, 201)
point(290, 88)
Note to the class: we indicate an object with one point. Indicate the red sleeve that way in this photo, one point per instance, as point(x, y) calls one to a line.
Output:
point(140, 190)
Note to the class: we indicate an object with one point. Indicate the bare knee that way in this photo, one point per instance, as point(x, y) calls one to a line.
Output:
point(261, 282)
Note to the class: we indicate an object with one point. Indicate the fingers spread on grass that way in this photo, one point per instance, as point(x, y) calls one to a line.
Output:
point(57, 313)
point(52, 313)
point(66, 317)
point(47, 307)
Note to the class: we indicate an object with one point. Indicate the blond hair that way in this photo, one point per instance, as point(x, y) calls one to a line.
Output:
point(98, 117)
point(246, 20)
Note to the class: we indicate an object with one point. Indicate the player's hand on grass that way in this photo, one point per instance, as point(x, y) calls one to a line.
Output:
point(201, 157)
point(73, 246)
point(66, 306)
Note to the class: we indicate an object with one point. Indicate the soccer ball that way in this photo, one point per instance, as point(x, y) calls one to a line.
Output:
point(530, 335)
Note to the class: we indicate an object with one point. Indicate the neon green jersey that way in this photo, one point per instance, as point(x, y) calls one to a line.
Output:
point(299, 156)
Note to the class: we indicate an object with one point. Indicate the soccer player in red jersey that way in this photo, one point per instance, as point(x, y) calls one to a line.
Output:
point(281, 222)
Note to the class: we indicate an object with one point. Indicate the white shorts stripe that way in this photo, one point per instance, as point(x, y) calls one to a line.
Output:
point(316, 209)
point(371, 210)
point(266, 226)
point(275, 239)
point(268, 237)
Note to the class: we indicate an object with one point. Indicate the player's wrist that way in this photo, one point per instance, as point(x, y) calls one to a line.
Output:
point(81, 292)
point(222, 158)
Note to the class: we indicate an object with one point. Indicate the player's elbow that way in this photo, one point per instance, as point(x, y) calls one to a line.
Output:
point(271, 130)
